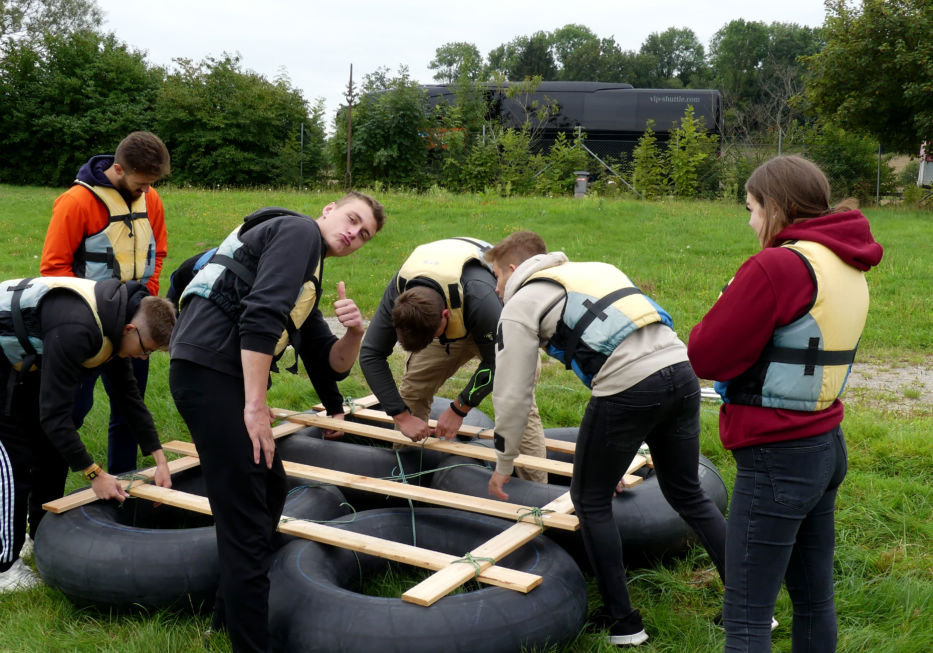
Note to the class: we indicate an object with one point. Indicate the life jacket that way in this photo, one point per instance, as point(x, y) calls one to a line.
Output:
point(807, 362)
point(125, 248)
point(20, 329)
point(233, 257)
point(439, 265)
point(602, 308)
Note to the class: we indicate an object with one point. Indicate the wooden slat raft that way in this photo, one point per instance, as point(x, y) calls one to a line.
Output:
point(451, 572)
point(424, 558)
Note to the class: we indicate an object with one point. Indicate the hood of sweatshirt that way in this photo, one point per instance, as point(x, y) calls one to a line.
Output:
point(846, 233)
point(111, 307)
point(528, 268)
point(92, 172)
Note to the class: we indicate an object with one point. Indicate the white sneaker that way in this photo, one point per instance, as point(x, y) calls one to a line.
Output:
point(18, 577)
point(26, 551)
point(774, 623)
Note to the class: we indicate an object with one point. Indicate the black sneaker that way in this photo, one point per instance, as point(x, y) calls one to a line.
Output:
point(628, 631)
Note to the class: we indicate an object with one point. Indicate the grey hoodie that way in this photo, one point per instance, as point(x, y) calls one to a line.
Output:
point(528, 321)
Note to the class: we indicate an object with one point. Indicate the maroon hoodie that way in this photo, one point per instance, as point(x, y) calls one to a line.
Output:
point(771, 289)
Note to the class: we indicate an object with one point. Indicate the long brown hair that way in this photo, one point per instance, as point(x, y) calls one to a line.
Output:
point(791, 189)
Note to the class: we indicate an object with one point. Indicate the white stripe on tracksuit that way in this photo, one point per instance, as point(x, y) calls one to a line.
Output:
point(6, 508)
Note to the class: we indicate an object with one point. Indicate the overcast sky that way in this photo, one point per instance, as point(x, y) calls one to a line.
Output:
point(314, 43)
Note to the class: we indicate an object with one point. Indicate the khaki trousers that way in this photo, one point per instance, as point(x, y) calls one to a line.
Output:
point(427, 370)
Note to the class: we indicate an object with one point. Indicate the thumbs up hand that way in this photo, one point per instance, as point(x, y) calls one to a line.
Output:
point(346, 310)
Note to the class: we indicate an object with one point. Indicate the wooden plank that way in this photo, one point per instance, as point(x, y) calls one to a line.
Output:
point(437, 444)
point(519, 581)
point(177, 498)
point(451, 577)
point(86, 496)
point(363, 402)
point(493, 507)
point(467, 430)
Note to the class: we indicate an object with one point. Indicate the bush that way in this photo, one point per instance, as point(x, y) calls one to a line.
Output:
point(648, 165)
point(564, 158)
point(691, 157)
point(849, 160)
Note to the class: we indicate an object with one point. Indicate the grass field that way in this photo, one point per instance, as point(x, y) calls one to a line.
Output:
point(681, 253)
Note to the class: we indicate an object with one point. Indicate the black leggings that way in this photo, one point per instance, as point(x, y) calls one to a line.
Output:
point(664, 411)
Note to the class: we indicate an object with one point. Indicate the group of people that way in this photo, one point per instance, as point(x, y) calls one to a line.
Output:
point(779, 342)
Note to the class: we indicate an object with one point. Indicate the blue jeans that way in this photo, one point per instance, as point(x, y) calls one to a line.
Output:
point(121, 444)
point(664, 411)
point(781, 528)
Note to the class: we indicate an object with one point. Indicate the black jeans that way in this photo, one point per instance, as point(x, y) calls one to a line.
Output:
point(121, 443)
point(664, 411)
point(781, 527)
point(247, 499)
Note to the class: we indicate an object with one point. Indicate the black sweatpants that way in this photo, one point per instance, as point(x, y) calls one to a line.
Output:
point(247, 499)
point(38, 469)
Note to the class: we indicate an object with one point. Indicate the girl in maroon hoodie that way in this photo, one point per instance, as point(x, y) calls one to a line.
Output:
point(780, 341)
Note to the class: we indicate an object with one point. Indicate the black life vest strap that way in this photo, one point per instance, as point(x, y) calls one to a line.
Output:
point(244, 273)
point(593, 310)
point(810, 357)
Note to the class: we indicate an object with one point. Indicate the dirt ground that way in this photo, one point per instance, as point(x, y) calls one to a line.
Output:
point(900, 387)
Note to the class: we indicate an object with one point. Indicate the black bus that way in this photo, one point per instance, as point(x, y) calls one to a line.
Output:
point(613, 116)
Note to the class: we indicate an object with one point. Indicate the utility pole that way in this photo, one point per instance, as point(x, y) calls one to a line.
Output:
point(350, 95)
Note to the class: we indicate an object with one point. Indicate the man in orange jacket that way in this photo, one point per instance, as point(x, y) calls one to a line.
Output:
point(111, 225)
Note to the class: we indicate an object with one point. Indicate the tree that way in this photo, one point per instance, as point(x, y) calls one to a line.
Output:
point(389, 128)
point(875, 74)
point(67, 97)
point(458, 60)
point(226, 126)
point(677, 55)
point(31, 19)
point(648, 165)
point(758, 69)
point(524, 57)
point(691, 155)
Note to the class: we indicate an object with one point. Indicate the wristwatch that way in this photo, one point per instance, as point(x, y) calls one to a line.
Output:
point(93, 472)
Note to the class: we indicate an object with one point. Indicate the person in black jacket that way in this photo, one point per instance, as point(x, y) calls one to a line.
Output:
point(237, 315)
point(52, 330)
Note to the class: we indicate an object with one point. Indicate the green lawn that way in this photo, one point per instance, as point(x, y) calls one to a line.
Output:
point(681, 253)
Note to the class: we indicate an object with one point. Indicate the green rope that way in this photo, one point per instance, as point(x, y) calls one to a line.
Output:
point(537, 514)
point(475, 560)
point(352, 403)
point(284, 519)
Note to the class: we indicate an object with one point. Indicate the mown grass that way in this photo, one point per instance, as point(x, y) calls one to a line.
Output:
point(682, 253)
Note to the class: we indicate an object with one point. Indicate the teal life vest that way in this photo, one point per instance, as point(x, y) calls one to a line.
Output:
point(233, 259)
point(602, 308)
point(807, 363)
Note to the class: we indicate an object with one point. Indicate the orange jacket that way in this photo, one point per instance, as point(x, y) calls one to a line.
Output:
point(77, 214)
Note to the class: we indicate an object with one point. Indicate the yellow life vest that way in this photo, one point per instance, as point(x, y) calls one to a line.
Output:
point(439, 265)
point(19, 322)
point(806, 365)
point(125, 248)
